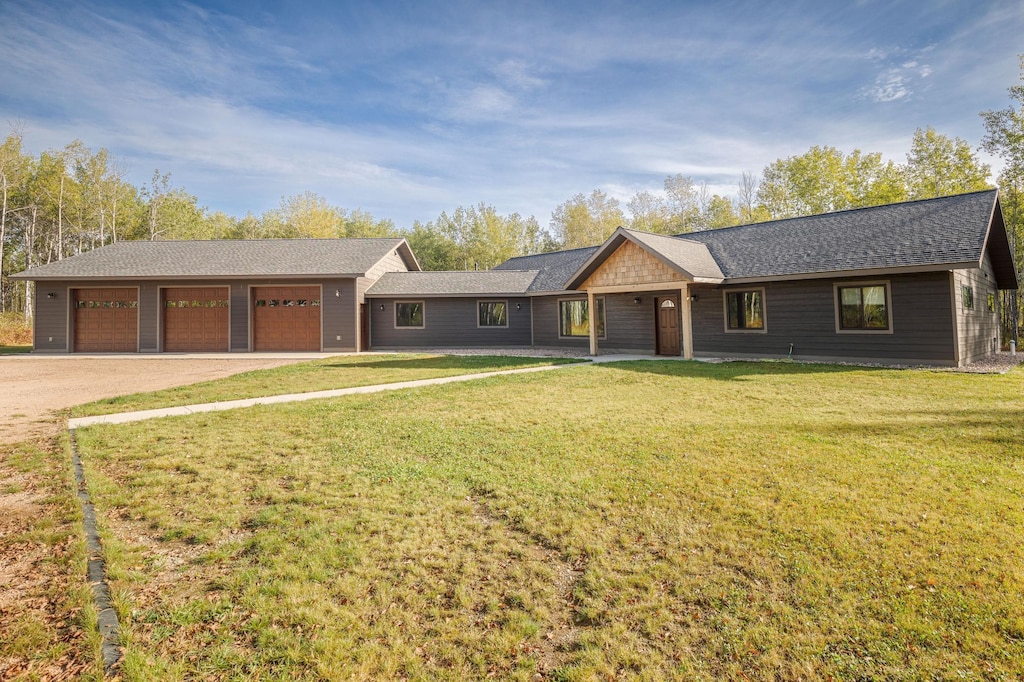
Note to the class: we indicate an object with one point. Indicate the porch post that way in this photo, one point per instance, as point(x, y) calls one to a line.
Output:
point(592, 314)
point(684, 294)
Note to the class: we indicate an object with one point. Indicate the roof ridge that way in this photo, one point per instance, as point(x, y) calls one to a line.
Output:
point(683, 235)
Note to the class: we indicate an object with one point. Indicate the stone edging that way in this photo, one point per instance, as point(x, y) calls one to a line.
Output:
point(106, 615)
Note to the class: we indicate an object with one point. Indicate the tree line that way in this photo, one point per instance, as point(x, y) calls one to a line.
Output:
point(67, 201)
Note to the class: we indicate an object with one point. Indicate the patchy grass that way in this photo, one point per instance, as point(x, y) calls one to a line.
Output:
point(651, 520)
point(318, 375)
point(15, 335)
point(47, 621)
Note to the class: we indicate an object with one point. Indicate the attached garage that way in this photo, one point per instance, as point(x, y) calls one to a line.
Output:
point(286, 318)
point(106, 320)
point(196, 319)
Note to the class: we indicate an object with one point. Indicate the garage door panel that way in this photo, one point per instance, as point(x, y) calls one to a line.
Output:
point(286, 318)
point(106, 320)
point(196, 319)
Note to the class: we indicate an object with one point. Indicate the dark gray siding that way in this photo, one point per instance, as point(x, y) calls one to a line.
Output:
point(240, 317)
point(449, 323)
point(545, 325)
point(628, 326)
point(149, 318)
point(50, 327)
point(340, 326)
point(803, 313)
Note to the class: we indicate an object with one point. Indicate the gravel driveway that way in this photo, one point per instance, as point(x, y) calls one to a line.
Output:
point(33, 388)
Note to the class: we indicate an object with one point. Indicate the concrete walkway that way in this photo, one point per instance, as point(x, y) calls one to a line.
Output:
point(142, 415)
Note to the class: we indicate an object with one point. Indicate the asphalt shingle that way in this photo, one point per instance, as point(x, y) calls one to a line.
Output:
point(221, 258)
point(482, 283)
point(554, 269)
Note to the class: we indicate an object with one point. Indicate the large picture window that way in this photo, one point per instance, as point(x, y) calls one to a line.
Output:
point(745, 310)
point(863, 308)
point(409, 314)
point(492, 314)
point(574, 317)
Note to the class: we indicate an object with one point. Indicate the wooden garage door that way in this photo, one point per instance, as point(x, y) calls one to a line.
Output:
point(106, 321)
point(196, 319)
point(286, 318)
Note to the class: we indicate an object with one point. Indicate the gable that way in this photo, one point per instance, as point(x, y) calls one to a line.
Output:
point(629, 265)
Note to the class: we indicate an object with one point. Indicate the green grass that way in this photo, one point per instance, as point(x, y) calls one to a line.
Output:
point(649, 520)
point(318, 375)
point(11, 350)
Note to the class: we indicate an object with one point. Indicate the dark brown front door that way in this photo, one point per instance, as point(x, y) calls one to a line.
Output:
point(106, 321)
point(668, 327)
point(195, 319)
point(286, 318)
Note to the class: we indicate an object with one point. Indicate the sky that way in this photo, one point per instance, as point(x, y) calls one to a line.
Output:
point(408, 109)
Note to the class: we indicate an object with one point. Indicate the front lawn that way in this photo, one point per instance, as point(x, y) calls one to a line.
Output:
point(645, 519)
point(316, 375)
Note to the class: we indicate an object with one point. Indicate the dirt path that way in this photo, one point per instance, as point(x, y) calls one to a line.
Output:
point(32, 389)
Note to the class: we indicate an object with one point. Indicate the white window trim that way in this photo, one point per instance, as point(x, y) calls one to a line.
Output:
point(491, 326)
point(836, 286)
point(394, 318)
point(764, 311)
point(558, 316)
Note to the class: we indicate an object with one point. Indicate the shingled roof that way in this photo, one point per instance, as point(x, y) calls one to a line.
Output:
point(554, 269)
point(225, 259)
point(943, 233)
point(689, 258)
point(482, 283)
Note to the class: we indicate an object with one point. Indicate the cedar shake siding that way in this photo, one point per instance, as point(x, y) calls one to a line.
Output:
point(803, 313)
point(449, 322)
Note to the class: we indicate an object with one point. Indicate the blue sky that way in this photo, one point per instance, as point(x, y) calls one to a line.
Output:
point(406, 109)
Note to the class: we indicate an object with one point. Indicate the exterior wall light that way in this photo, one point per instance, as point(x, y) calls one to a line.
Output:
point(51, 295)
point(638, 300)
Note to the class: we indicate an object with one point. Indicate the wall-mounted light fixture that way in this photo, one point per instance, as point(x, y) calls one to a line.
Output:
point(51, 295)
point(337, 293)
point(693, 298)
point(382, 306)
point(519, 306)
point(638, 300)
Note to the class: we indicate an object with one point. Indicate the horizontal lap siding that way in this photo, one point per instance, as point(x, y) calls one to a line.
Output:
point(448, 322)
point(976, 329)
point(50, 325)
point(803, 314)
point(630, 326)
point(545, 325)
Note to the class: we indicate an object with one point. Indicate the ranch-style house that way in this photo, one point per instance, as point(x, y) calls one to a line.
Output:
point(913, 282)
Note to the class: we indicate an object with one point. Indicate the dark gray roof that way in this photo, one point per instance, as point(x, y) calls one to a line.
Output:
point(554, 269)
point(483, 283)
point(225, 258)
point(939, 232)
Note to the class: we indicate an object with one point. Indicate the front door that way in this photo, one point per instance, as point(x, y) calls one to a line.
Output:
point(668, 326)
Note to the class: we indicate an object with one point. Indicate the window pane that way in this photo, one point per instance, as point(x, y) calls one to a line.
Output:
point(409, 314)
point(968, 297)
point(574, 320)
point(753, 312)
point(492, 314)
point(850, 312)
point(734, 311)
point(875, 315)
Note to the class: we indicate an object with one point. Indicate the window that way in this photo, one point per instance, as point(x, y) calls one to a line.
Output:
point(492, 314)
point(864, 308)
point(967, 297)
point(744, 310)
point(991, 303)
point(574, 318)
point(409, 314)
